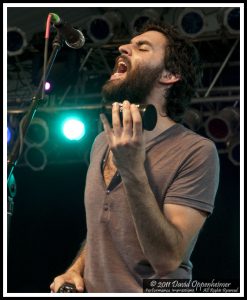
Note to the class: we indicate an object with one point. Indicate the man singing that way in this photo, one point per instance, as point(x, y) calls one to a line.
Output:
point(148, 193)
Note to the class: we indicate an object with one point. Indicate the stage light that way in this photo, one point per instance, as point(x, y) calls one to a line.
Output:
point(35, 158)
point(38, 133)
point(234, 150)
point(102, 28)
point(220, 127)
point(47, 86)
point(191, 22)
point(73, 129)
point(16, 41)
point(9, 135)
point(140, 19)
point(230, 19)
point(192, 119)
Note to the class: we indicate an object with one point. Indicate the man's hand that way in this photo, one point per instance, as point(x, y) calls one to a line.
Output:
point(126, 142)
point(70, 276)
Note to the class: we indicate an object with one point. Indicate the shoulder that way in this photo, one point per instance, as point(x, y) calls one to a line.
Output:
point(195, 150)
point(98, 143)
point(99, 140)
point(194, 141)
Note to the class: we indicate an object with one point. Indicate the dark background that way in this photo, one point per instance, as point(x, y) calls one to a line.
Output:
point(48, 224)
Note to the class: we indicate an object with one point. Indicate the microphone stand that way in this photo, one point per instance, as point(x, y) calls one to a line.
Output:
point(16, 152)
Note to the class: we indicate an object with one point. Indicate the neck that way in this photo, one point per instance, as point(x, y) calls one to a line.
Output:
point(163, 121)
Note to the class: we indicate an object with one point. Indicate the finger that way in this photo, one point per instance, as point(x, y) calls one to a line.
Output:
point(52, 287)
point(137, 121)
point(57, 284)
point(107, 128)
point(116, 123)
point(127, 119)
point(79, 284)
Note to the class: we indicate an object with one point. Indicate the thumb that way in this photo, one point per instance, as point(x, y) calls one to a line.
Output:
point(79, 284)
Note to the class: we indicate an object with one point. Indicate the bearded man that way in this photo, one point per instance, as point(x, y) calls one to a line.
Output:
point(148, 193)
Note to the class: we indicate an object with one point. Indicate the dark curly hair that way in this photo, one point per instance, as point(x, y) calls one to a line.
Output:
point(182, 59)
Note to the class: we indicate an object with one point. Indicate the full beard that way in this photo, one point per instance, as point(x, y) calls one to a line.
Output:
point(136, 87)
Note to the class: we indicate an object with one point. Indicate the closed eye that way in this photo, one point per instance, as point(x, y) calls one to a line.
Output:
point(143, 45)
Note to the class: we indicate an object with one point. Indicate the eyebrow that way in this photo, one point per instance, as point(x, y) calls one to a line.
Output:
point(142, 42)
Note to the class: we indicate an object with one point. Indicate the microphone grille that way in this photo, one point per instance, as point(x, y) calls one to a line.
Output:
point(79, 43)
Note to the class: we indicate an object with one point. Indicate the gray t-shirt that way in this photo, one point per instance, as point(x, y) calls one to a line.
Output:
point(182, 168)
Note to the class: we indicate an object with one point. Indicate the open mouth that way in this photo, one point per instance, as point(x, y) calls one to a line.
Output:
point(120, 69)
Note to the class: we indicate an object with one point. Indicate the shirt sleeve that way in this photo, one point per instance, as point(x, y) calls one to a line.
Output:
point(197, 180)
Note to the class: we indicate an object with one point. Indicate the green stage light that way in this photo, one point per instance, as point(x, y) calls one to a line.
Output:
point(73, 129)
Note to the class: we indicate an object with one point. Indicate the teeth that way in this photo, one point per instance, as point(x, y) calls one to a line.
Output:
point(122, 63)
point(121, 67)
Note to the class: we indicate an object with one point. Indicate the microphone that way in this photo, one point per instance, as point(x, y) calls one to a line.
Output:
point(73, 37)
point(148, 113)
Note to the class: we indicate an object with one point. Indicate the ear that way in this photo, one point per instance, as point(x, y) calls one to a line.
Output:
point(168, 78)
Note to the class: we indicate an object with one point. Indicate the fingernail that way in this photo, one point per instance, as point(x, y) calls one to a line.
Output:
point(126, 104)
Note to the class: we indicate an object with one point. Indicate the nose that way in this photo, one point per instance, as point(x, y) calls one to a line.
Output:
point(125, 49)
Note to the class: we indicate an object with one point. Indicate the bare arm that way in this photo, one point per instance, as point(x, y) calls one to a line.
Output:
point(164, 237)
point(78, 263)
point(74, 274)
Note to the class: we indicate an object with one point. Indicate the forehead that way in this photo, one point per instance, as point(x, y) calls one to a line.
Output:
point(156, 38)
